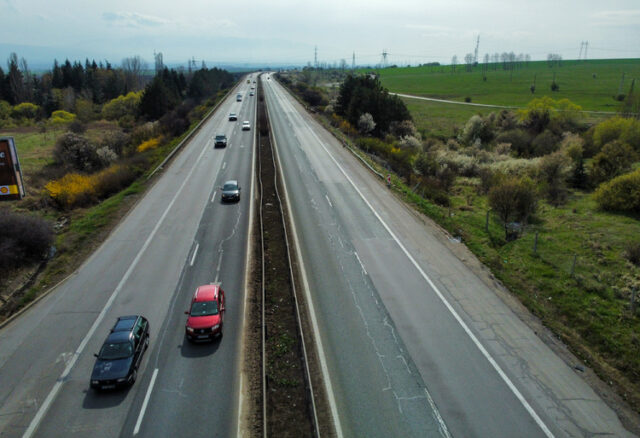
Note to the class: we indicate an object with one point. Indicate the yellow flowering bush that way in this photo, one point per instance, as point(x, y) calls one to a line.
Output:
point(152, 143)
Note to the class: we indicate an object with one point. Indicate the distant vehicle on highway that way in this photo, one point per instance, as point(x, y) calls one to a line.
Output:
point(121, 354)
point(220, 141)
point(246, 125)
point(230, 191)
point(251, 94)
point(206, 315)
point(233, 117)
point(239, 97)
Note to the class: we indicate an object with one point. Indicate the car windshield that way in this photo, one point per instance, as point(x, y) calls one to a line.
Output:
point(220, 137)
point(116, 351)
point(204, 308)
point(228, 187)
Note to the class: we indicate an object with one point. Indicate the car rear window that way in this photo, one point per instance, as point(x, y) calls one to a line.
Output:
point(227, 187)
point(204, 308)
point(115, 351)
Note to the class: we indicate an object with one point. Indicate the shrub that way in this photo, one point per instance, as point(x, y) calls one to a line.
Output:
point(541, 111)
point(572, 145)
point(121, 106)
point(620, 194)
point(149, 144)
point(366, 123)
point(554, 170)
point(106, 155)
point(410, 143)
point(72, 190)
point(75, 151)
point(513, 199)
point(77, 127)
point(24, 239)
point(114, 179)
point(519, 140)
point(476, 129)
point(5, 109)
point(614, 159)
point(313, 97)
point(544, 143)
point(61, 117)
point(144, 132)
point(632, 253)
point(117, 141)
point(627, 130)
point(25, 110)
point(403, 129)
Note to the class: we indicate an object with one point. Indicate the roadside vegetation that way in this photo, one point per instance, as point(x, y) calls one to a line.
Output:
point(87, 137)
point(545, 196)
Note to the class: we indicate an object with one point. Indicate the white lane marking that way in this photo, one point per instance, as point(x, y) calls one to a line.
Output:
point(328, 387)
point(195, 253)
point(218, 267)
point(224, 165)
point(361, 264)
point(145, 402)
point(241, 146)
point(453, 312)
point(56, 387)
point(214, 196)
point(329, 201)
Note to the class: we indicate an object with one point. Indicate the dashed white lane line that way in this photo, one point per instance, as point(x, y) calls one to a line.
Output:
point(65, 374)
point(195, 253)
point(224, 165)
point(329, 201)
point(214, 196)
point(361, 264)
point(136, 429)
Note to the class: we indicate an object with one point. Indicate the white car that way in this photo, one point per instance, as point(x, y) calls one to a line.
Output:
point(246, 125)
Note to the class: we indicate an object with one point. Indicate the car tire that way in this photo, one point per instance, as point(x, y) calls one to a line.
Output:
point(134, 376)
point(146, 342)
point(221, 331)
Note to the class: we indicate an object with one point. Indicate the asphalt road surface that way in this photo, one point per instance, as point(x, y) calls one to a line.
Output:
point(177, 237)
point(414, 343)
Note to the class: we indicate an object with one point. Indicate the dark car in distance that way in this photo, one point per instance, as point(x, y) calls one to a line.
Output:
point(121, 353)
point(230, 191)
point(220, 141)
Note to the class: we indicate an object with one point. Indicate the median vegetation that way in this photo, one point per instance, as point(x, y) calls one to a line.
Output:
point(545, 196)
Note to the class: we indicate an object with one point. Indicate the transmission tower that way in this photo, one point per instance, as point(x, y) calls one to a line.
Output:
point(475, 52)
point(586, 46)
point(383, 60)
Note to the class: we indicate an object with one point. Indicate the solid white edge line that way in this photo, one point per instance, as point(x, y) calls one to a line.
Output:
point(312, 313)
point(455, 314)
point(329, 201)
point(361, 264)
point(33, 425)
point(242, 374)
point(195, 253)
point(143, 409)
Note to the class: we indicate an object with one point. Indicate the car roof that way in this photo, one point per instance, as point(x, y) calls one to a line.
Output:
point(116, 337)
point(207, 292)
point(125, 323)
point(231, 181)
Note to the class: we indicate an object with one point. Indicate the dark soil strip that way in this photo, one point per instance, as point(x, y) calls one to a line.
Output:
point(288, 400)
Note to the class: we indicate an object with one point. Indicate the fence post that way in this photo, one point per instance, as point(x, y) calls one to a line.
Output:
point(573, 266)
point(486, 222)
point(535, 244)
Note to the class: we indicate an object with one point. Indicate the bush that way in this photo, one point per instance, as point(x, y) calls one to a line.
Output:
point(5, 109)
point(61, 117)
point(632, 253)
point(144, 132)
point(366, 123)
point(519, 140)
point(75, 151)
point(313, 97)
point(544, 143)
point(403, 129)
point(554, 170)
point(24, 239)
point(614, 159)
point(122, 106)
point(149, 144)
point(25, 110)
point(620, 194)
point(117, 141)
point(77, 127)
point(513, 199)
point(626, 130)
point(476, 129)
point(541, 111)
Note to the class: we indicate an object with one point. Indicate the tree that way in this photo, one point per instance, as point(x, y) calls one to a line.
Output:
point(454, 62)
point(366, 123)
point(513, 200)
point(133, 68)
point(468, 60)
point(620, 194)
point(554, 170)
point(614, 159)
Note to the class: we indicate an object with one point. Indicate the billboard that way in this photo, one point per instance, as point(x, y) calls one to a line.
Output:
point(11, 185)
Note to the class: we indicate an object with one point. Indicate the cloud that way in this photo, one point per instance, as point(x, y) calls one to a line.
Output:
point(617, 18)
point(133, 19)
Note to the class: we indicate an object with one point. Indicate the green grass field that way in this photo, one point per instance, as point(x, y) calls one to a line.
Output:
point(575, 78)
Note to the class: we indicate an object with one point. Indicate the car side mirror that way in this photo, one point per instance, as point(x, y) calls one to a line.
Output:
point(239, 188)
point(95, 354)
point(186, 312)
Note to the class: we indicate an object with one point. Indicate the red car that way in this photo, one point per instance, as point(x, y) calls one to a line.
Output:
point(206, 314)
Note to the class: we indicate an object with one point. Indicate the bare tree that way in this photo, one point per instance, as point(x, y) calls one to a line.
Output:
point(468, 60)
point(454, 62)
point(158, 61)
point(133, 69)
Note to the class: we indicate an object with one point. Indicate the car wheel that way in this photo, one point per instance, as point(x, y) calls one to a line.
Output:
point(134, 376)
point(146, 342)
point(221, 330)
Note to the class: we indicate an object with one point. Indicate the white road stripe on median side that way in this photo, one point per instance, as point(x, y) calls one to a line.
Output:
point(145, 402)
point(329, 201)
point(195, 253)
point(446, 303)
point(214, 196)
point(56, 387)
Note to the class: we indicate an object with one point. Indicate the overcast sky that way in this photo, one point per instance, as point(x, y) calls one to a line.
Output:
point(286, 31)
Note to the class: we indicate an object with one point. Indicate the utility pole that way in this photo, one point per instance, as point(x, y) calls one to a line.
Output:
point(315, 57)
point(475, 53)
point(586, 46)
point(353, 61)
point(384, 58)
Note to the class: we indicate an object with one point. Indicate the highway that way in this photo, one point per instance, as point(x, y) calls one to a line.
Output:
point(414, 342)
point(178, 236)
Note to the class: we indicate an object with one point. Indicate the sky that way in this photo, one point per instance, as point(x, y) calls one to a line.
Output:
point(286, 32)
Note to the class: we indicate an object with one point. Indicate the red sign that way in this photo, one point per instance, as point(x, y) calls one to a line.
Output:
point(11, 185)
